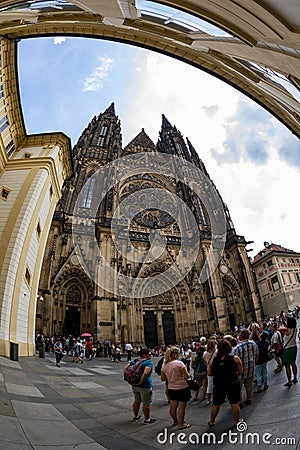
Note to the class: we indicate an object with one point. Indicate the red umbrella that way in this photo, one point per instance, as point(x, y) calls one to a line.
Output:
point(86, 335)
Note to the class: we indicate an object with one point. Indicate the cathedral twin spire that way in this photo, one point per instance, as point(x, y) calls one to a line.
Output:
point(170, 139)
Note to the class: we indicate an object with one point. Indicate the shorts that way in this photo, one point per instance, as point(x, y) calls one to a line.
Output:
point(289, 356)
point(142, 395)
point(232, 391)
point(200, 377)
point(247, 382)
point(181, 395)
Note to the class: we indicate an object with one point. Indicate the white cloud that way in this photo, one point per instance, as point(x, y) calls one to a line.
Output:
point(252, 177)
point(59, 40)
point(94, 82)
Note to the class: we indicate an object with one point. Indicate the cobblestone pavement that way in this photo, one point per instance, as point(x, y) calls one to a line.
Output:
point(89, 407)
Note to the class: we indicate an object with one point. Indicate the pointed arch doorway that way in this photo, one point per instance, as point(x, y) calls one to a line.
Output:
point(168, 327)
point(72, 322)
point(150, 329)
point(152, 325)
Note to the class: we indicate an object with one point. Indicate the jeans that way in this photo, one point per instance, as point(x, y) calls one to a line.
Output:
point(261, 374)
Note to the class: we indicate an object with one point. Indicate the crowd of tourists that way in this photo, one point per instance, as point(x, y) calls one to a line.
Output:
point(225, 368)
point(84, 348)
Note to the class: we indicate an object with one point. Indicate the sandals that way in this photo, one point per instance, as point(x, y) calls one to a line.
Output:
point(184, 426)
point(288, 384)
point(211, 424)
point(295, 380)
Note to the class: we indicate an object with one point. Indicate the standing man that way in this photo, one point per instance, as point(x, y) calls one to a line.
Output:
point(247, 351)
point(58, 351)
point(143, 391)
point(128, 348)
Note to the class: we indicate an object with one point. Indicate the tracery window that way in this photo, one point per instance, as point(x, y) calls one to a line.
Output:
point(73, 295)
point(102, 136)
point(87, 194)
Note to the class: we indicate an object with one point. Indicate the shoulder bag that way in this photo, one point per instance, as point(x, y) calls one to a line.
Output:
point(280, 351)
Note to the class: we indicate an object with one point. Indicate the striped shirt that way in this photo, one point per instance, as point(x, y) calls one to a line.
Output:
point(247, 351)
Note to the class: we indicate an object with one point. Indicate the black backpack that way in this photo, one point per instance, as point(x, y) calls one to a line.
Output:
point(158, 366)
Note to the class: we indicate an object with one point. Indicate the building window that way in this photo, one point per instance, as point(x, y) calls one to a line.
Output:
point(4, 193)
point(10, 148)
point(38, 230)
point(100, 141)
point(3, 123)
point(298, 277)
point(87, 194)
point(270, 263)
point(103, 130)
point(1, 91)
point(178, 148)
point(102, 135)
point(275, 283)
point(27, 276)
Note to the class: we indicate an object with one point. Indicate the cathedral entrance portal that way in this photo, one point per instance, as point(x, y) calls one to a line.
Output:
point(232, 321)
point(150, 329)
point(169, 328)
point(72, 322)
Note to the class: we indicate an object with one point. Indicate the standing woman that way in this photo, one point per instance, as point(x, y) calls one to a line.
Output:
point(175, 373)
point(289, 355)
point(187, 357)
point(58, 351)
point(208, 356)
point(225, 369)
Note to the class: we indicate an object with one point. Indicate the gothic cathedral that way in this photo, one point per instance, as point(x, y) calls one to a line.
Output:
point(74, 302)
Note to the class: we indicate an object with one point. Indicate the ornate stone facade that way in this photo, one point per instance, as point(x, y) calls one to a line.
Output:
point(74, 303)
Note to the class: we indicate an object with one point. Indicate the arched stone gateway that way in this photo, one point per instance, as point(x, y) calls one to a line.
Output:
point(67, 308)
point(235, 310)
point(254, 47)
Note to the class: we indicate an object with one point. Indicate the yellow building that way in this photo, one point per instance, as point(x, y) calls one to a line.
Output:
point(32, 171)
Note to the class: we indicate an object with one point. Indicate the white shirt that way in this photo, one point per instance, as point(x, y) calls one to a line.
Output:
point(276, 337)
point(291, 340)
point(187, 354)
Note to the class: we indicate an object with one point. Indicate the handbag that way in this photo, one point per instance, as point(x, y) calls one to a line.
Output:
point(280, 351)
point(192, 384)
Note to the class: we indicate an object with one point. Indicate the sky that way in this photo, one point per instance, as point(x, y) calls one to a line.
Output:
point(252, 158)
